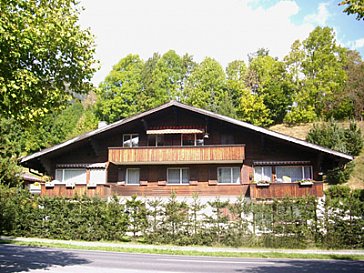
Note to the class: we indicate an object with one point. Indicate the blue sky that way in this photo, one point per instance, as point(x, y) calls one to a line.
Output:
point(226, 30)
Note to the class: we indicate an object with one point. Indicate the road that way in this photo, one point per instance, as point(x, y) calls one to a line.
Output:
point(36, 260)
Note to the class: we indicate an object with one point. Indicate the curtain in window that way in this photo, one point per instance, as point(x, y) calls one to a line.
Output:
point(77, 176)
point(98, 176)
point(173, 176)
point(263, 173)
point(293, 172)
point(132, 176)
point(228, 175)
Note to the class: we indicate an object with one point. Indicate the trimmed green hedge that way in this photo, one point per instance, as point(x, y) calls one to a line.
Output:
point(336, 222)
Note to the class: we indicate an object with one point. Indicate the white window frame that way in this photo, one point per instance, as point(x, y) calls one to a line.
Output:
point(194, 140)
point(302, 171)
point(127, 176)
point(232, 180)
point(62, 181)
point(262, 174)
point(130, 138)
point(180, 176)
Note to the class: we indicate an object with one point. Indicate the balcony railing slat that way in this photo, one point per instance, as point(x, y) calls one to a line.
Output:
point(232, 153)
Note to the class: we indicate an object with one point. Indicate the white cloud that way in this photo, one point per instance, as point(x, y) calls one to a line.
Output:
point(320, 17)
point(358, 43)
point(225, 30)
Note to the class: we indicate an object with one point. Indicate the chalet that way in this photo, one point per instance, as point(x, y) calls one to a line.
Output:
point(186, 150)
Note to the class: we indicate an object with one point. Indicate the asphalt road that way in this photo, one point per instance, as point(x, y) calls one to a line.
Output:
point(28, 259)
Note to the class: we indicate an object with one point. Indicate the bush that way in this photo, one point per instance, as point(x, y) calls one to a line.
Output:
point(289, 223)
point(332, 136)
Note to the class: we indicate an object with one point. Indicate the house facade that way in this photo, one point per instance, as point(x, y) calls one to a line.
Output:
point(185, 150)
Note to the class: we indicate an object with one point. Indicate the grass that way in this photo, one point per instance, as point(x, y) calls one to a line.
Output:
point(356, 180)
point(232, 254)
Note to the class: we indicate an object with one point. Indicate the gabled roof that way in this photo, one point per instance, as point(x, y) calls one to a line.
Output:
point(192, 109)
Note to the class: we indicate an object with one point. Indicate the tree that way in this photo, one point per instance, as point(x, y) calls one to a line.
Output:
point(252, 109)
point(45, 57)
point(236, 73)
point(206, 85)
point(354, 86)
point(170, 74)
point(316, 67)
point(354, 7)
point(120, 90)
point(272, 85)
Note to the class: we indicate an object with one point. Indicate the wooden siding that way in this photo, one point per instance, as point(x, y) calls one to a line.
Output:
point(177, 155)
point(101, 191)
point(281, 190)
point(200, 188)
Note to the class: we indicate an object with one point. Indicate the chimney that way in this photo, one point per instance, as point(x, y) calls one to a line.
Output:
point(102, 124)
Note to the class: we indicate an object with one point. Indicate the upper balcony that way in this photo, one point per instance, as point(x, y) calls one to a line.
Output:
point(228, 154)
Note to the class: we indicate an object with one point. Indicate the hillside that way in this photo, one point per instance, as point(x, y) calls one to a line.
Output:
point(300, 131)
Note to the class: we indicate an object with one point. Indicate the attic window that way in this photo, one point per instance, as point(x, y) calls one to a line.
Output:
point(130, 140)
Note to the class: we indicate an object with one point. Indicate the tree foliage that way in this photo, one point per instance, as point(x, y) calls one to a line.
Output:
point(45, 57)
point(355, 7)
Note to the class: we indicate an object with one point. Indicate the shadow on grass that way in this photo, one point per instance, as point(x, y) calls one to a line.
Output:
point(22, 259)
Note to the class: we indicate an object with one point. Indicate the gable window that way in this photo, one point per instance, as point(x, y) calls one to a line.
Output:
point(130, 140)
point(178, 176)
point(192, 140)
point(132, 176)
point(76, 176)
point(156, 140)
point(293, 173)
point(263, 173)
point(228, 175)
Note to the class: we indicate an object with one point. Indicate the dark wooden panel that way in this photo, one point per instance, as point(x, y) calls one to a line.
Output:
point(281, 190)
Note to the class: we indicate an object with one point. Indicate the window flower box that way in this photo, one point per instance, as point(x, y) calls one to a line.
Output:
point(306, 182)
point(49, 184)
point(35, 188)
point(263, 184)
point(70, 184)
point(92, 184)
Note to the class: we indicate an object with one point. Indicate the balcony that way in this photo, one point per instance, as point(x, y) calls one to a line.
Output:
point(281, 190)
point(228, 154)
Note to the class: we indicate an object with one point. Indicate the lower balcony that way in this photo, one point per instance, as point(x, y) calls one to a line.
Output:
point(281, 190)
point(227, 154)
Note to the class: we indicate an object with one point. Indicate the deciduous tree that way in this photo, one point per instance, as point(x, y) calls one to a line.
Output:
point(45, 57)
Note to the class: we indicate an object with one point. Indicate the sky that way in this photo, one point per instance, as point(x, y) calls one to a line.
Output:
point(225, 30)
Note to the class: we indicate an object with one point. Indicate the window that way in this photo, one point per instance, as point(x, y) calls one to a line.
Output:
point(263, 173)
point(294, 173)
point(192, 140)
point(130, 140)
point(228, 175)
point(178, 176)
point(97, 176)
point(156, 140)
point(77, 176)
point(188, 139)
point(132, 176)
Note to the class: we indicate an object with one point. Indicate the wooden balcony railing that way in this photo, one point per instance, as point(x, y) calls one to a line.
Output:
point(177, 154)
point(281, 190)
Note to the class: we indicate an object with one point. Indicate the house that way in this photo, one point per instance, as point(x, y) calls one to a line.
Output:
point(186, 150)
